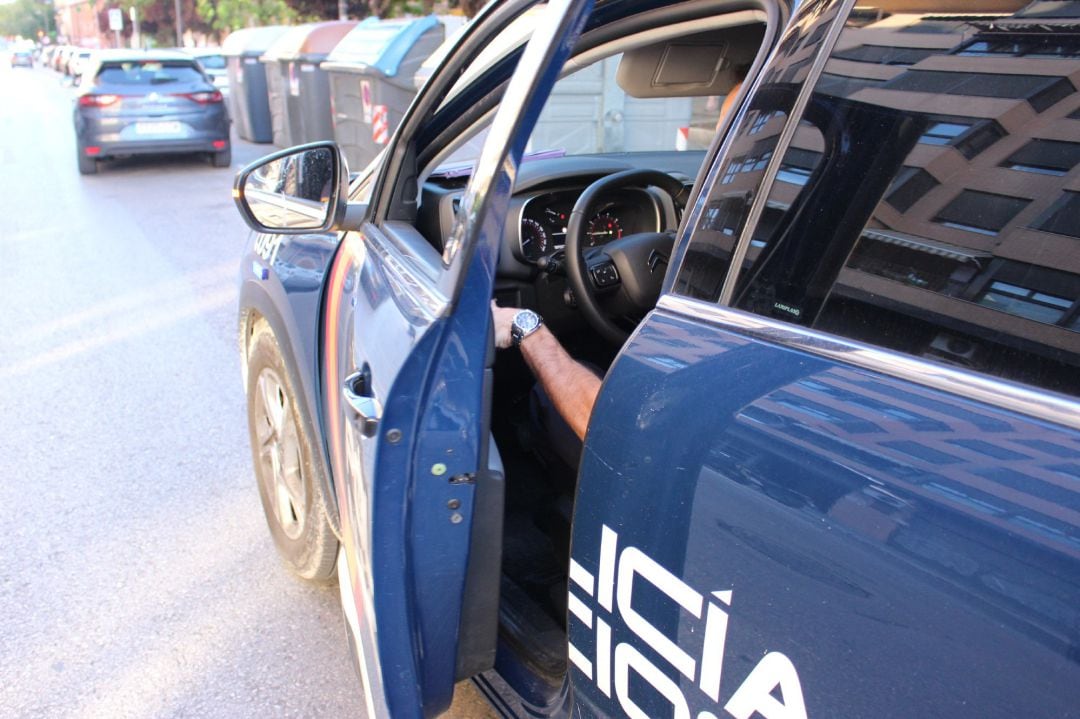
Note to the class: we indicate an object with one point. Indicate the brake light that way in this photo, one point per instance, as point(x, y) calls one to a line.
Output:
point(97, 100)
point(203, 98)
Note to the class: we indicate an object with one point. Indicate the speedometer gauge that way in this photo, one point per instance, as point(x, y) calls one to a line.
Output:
point(534, 240)
point(602, 229)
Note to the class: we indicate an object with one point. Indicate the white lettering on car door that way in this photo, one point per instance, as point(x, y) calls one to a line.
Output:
point(613, 591)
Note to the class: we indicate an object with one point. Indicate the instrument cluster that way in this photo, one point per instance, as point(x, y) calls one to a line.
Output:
point(544, 218)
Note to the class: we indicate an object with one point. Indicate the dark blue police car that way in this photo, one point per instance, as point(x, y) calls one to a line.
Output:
point(834, 466)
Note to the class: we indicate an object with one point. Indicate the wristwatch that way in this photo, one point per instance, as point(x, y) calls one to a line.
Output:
point(524, 324)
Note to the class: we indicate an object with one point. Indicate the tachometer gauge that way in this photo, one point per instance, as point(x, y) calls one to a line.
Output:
point(534, 240)
point(602, 229)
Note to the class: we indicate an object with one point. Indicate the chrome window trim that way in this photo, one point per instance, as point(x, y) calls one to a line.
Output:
point(1055, 408)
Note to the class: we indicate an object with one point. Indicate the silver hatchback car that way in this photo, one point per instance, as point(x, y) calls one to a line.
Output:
point(148, 102)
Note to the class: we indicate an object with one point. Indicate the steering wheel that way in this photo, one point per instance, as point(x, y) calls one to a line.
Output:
point(626, 273)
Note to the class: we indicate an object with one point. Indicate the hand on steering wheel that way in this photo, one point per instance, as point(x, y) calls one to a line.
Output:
point(630, 269)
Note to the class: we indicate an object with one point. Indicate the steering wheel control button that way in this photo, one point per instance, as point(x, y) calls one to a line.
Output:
point(605, 275)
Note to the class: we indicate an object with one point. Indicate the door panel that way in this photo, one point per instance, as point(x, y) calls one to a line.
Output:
point(407, 344)
point(821, 539)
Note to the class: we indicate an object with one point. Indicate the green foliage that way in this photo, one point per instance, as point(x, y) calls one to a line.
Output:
point(225, 16)
point(26, 18)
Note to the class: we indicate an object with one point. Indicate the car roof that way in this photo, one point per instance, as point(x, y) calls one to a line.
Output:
point(140, 55)
point(200, 51)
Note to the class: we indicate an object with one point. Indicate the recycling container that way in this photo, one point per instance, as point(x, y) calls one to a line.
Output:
point(249, 106)
point(371, 80)
point(297, 87)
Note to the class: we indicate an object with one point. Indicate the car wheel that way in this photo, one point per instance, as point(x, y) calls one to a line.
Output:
point(222, 159)
point(290, 485)
point(87, 165)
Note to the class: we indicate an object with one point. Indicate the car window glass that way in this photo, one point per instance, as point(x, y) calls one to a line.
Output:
point(212, 62)
point(734, 182)
point(148, 73)
point(942, 218)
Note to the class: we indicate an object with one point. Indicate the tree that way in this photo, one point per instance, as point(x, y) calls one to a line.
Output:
point(224, 16)
point(27, 18)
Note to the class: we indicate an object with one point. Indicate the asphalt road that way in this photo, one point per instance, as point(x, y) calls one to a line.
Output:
point(137, 577)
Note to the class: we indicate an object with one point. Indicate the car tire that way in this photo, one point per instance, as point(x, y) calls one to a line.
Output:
point(288, 473)
point(87, 165)
point(222, 159)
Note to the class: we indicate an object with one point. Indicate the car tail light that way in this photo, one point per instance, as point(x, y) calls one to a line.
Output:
point(93, 151)
point(219, 144)
point(97, 100)
point(203, 98)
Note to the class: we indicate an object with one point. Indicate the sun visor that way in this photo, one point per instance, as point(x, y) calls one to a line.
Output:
point(703, 64)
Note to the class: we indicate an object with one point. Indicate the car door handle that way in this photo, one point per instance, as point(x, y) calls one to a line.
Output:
point(358, 393)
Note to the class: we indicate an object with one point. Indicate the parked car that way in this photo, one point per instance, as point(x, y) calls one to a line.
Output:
point(149, 102)
point(213, 64)
point(78, 63)
point(22, 58)
point(834, 465)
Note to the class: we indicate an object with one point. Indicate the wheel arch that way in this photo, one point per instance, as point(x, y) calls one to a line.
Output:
point(257, 306)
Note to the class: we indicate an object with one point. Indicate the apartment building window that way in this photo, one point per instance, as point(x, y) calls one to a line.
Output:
point(757, 159)
point(760, 121)
point(725, 216)
point(910, 185)
point(798, 165)
point(1028, 47)
point(933, 27)
point(967, 136)
point(1063, 217)
point(944, 133)
point(1045, 157)
point(981, 48)
point(882, 55)
point(1041, 92)
point(1037, 293)
point(1025, 302)
point(844, 86)
point(983, 212)
point(1055, 50)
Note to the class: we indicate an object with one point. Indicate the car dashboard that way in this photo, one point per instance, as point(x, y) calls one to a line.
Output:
point(545, 193)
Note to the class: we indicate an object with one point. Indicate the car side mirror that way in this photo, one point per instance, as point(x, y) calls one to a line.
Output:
point(297, 191)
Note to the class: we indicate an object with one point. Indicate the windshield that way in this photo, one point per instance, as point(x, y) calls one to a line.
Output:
point(588, 112)
point(148, 73)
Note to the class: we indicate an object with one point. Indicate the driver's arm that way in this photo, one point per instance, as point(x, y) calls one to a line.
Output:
point(571, 386)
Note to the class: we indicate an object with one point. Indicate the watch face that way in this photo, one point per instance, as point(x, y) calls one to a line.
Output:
point(527, 321)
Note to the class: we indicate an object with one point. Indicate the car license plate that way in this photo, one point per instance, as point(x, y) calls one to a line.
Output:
point(157, 128)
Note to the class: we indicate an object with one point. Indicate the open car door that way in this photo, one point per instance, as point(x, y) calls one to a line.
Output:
point(406, 350)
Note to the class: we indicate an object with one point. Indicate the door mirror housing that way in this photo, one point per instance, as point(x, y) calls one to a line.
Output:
point(301, 190)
